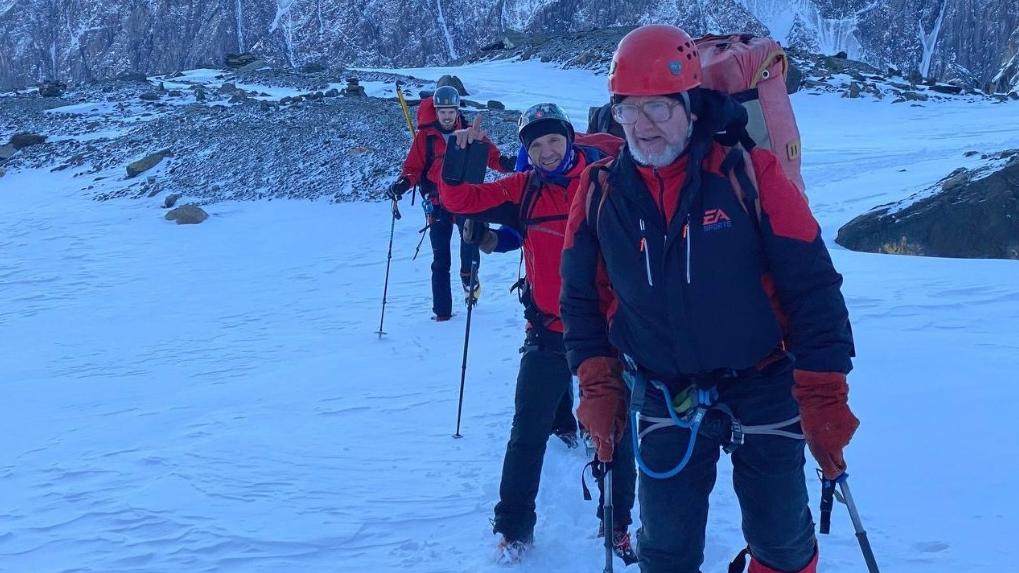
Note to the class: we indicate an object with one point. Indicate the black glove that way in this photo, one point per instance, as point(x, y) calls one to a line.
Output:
point(475, 231)
point(478, 233)
point(507, 163)
point(397, 189)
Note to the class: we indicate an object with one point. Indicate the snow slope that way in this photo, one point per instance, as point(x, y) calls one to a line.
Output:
point(213, 398)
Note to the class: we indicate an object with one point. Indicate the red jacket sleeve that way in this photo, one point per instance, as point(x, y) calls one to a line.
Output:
point(586, 301)
point(473, 198)
point(414, 165)
point(809, 288)
point(493, 158)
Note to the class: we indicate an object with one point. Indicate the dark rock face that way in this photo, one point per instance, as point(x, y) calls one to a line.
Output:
point(974, 214)
point(82, 41)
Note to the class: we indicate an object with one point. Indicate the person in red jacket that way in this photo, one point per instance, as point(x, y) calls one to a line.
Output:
point(722, 313)
point(438, 117)
point(534, 204)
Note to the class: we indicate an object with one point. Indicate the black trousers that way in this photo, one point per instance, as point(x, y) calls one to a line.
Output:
point(544, 392)
point(439, 234)
point(767, 476)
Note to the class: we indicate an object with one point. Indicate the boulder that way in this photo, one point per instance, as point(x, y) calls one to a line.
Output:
point(149, 96)
point(171, 200)
point(239, 60)
point(946, 89)
point(448, 80)
point(23, 140)
point(972, 215)
point(355, 90)
point(50, 88)
point(495, 104)
point(793, 79)
point(914, 96)
point(148, 162)
point(253, 66)
point(132, 76)
point(313, 68)
point(187, 215)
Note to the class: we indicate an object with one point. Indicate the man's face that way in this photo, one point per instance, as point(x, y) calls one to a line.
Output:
point(547, 151)
point(447, 116)
point(656, 139)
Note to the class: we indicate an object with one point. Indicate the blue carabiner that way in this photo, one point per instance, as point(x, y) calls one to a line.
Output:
point(705, 398)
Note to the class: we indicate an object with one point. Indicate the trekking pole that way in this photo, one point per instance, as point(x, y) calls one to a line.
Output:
point(467, 339)
point(861, 534)
point(606, 516)
point(389, 259)
point(827, 493)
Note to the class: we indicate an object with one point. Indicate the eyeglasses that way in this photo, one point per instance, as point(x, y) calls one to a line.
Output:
point(658, 111)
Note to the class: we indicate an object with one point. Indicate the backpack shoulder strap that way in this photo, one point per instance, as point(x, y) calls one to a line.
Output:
point(429, 151)
point(738, 167)
point(429, 160)
point(596, 198)
point(531, 192)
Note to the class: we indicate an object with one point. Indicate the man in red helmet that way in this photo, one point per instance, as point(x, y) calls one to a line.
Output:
point(533, 207)
point(726, 312)
point(438, 117)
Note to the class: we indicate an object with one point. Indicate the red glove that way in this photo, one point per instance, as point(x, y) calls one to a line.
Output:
point(827, 422)
point(602, 402)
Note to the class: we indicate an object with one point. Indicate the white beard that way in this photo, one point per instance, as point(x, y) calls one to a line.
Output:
point(660, 159)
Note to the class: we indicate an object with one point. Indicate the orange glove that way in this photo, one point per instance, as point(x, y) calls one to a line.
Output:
point(602, 402)
point(827, 422)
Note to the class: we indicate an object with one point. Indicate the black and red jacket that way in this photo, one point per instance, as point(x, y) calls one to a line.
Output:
point(673, 268)
point(543, 225)
point(423, 165)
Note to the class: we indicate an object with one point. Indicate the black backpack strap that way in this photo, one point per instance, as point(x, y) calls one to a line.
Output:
point(539, 321)
point(595, 198)
point(428, 188)
point(735, 166)
point(531, 192)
